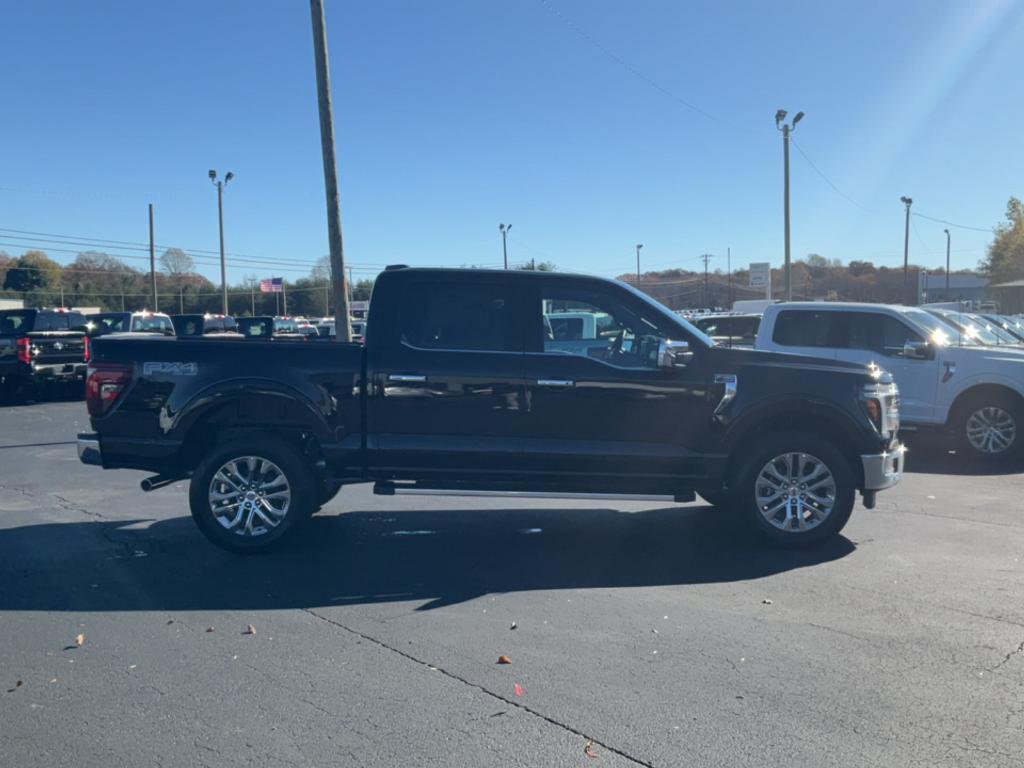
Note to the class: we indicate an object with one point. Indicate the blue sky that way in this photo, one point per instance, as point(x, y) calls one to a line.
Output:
point(566, 118)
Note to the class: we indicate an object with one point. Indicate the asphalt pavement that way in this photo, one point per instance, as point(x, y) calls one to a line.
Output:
point(639, 634)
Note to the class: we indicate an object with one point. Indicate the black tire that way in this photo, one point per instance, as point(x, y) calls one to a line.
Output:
point(744, 497)
point(296, 473)
point(991, 407)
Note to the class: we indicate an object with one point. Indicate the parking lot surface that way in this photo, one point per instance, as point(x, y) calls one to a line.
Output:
point(638, 634)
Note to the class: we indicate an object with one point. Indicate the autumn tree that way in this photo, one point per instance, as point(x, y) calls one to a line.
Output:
point(1005, 259)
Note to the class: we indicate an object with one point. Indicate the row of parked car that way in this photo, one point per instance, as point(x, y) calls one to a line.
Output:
point(39, 347)
point(959, 373)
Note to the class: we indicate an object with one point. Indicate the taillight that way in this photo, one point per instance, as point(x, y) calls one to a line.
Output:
point(24, 351)
point(104, 383)
point(88, 348)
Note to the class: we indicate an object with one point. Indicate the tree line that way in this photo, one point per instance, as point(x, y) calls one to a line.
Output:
point(97, 279)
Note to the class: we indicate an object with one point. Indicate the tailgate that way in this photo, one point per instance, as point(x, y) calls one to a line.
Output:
point(55, 347)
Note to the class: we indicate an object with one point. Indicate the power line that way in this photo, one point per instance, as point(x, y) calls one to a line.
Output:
point(828, 181)
point(626, 65)
point(951, 224)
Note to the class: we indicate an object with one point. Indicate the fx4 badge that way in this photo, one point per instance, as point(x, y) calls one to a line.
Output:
point(170, 369)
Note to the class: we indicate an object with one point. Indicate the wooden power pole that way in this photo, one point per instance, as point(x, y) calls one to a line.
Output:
point(323, 90)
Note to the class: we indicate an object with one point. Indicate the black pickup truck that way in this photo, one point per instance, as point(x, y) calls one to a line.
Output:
point(462, 388)
point(40, 346)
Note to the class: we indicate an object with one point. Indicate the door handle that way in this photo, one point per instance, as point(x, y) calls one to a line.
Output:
point(407, 378)
point(558, 383)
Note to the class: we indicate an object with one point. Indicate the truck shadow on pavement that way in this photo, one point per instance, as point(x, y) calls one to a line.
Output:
point(436, 557)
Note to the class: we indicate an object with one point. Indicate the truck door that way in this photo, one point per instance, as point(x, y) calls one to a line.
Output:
point(446, 373)
point(874, 337)
point(601, 411)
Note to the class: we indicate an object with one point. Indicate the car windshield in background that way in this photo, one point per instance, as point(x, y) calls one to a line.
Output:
point(100, 325)
point(152, 324)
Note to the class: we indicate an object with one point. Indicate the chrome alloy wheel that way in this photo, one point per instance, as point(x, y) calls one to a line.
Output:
point(991, 430)
point(249, 495)
point(795, 492)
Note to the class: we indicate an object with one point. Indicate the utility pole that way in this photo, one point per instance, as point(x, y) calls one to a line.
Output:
point(707, 297)
point(728, 268)
point(284, 298)
point(220, 219)
point(181, 300)
point(780, 117)
point(947, 263)
point(906, 249)
point(152, 260)
point(252, 293)
point(638, 247)
point(504, 228)
point(62, 294)
point(343, 331)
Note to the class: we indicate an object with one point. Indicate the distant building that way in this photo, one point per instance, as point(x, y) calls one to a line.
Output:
point(932, 287)
point(11, 304)
point(1010, 296)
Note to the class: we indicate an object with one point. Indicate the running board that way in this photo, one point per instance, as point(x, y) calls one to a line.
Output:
point(390, 489)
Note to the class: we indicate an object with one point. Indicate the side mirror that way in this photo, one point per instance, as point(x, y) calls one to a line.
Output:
point(674, 354)
point(918, 350)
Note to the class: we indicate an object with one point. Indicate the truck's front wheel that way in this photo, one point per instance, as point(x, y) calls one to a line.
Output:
point(248, 495)
point(796, 489)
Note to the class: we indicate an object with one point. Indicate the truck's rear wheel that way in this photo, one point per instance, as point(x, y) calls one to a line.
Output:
point(796, 489)
point(248, 495)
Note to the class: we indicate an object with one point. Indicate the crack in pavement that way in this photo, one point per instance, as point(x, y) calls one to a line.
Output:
point(1015, 652)
point(69, 506)
point(481, 688)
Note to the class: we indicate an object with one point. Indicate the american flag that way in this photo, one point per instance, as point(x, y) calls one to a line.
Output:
point(272, 285)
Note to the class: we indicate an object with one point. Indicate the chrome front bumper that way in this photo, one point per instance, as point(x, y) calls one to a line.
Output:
point(883, 470)
point(89, 449)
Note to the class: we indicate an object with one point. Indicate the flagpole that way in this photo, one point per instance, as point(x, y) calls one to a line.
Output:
point(284, 297)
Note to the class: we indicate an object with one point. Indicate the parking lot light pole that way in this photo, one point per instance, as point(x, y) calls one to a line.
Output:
point(906, 249)
point(947, 263)
point(638, 247)
point(220, 219)
point(504, 228)
point(780, 124)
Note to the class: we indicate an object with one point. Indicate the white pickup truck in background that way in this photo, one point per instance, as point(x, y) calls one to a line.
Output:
point(946, 381)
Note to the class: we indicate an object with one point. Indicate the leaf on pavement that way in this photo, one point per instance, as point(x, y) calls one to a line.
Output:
point(519, 689)
point(249, 630)
point(588, 749)
point(209, 629)
point(79, 640)
point(503, 659)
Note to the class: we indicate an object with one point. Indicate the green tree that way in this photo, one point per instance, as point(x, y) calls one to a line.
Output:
point(1005, 259)
point(33, 273)
point(362, 289)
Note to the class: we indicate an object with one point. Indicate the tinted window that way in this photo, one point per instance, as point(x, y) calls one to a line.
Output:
point(459, 315)
point(113, 323)
point(77, 322)
point(51, 321)
point(14, 323)
point(805, 328)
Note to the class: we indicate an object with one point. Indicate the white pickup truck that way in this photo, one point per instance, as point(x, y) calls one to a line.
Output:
point(948, 382)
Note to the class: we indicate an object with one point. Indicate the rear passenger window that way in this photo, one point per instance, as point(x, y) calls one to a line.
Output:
point(806, 328)
point(459, 316)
